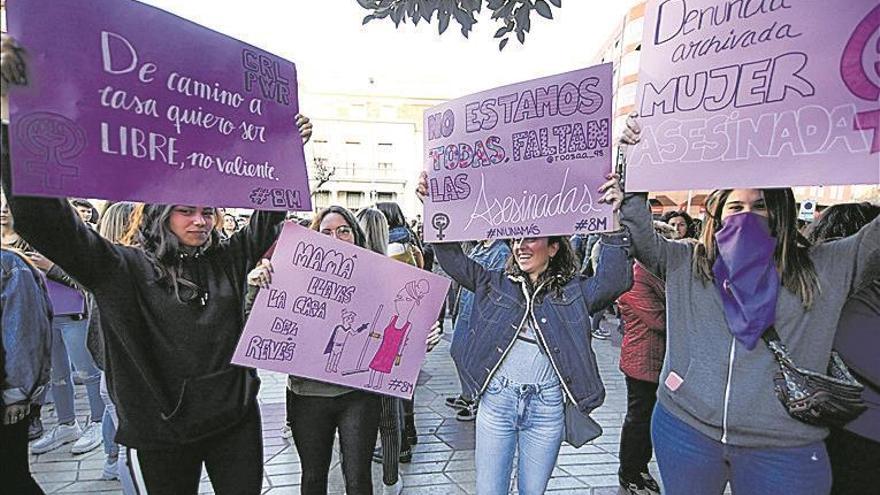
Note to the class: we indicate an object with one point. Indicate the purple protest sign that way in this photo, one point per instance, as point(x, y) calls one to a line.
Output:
point(757, 94)
point(522, 160)
point(342, 314)
point(127, 102)
point(65, 300)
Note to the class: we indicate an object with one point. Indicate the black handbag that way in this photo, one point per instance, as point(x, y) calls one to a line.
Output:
point(813, 398)
point(580, 428)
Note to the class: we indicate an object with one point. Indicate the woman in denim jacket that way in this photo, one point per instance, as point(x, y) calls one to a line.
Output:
point(527, 354)
point(25, 352)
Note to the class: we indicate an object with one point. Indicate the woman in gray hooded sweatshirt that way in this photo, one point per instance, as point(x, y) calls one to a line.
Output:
point(717, 418)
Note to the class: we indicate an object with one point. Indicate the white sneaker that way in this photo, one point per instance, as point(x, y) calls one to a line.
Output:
point(286, 432)
point(90, 439)
point(394, 489)
point(57, 436)
point(111, 469)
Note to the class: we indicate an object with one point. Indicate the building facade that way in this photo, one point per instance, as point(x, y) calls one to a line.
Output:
point(368, 147)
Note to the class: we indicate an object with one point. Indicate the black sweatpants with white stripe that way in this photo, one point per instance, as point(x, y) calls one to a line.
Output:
point(233, 459)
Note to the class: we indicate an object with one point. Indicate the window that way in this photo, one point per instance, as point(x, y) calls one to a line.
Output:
point(353, 154)
point(320, 152)
point(352, 199)
point(626, 95)
point(632, 32)
point(630, 64)
point(321, 199)
point(388, 112)
point(359, 111)
point(385, 169)
point(386, 196)
point(385, 159)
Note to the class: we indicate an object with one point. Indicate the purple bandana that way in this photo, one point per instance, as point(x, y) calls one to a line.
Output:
point(746, 277)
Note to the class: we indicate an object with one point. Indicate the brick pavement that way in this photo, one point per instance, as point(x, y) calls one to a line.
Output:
point(443, 460)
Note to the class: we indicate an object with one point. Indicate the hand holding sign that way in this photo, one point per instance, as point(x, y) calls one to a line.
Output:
point(116, 111)
point(304, 125)
point(479, 150)
point(11, 63)
point(338, 313)
point(739, 97)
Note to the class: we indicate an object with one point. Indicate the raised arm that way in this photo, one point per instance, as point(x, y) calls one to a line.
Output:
point(867, 255)
point(467, 272)
point(250, 243)
point(858, 254)
point(52, 227)
point(649, 248)
point(614, 274)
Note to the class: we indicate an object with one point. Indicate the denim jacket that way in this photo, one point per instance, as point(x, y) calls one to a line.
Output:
point(502, 304)
point(27, 330)
point(493, 258)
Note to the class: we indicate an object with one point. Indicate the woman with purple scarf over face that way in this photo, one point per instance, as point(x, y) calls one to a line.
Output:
point(717, 418)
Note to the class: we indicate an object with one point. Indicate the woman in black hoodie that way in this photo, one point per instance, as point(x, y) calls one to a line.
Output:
point(171, 317)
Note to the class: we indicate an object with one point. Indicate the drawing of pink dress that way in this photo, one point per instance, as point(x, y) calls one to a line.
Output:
point(392, 339)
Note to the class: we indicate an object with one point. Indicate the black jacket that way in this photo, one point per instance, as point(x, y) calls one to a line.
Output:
point(167, 361)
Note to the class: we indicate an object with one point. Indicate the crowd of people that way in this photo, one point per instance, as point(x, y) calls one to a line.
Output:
point(143, 305)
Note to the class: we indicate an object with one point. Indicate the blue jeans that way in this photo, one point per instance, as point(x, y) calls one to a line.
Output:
point(514, 416)
point(69, 345)
point(108, 424)
point(111, 448)
point(691, 462)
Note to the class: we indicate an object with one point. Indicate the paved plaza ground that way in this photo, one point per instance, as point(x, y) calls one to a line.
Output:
point(443, 460)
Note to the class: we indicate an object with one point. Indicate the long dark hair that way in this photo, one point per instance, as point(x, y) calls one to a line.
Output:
point(392, 213)
point(561, 269)
point(359, 237)
point(688, 221)
point(397, 220)
point(842, 220)
point(792, 249)
point(163, 248)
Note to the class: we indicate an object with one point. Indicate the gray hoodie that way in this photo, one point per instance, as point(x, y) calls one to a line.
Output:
point(727, 391)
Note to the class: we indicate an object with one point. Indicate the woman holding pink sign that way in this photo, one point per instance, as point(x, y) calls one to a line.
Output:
point(750, 299)
point(526, 355)
point(319, 410)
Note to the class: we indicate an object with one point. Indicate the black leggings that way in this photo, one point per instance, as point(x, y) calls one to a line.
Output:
point(233, 459)
point(314, 422)
point(635, 436)
point(391, 431)
point(855, 462)
point(15, 473)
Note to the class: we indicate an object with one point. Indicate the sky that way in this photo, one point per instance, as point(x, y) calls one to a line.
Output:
point(335, 53)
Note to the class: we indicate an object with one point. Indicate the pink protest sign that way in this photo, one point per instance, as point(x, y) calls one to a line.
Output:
point(342, 314)
point(127, 102)
point(522, 160)
point(763, 93)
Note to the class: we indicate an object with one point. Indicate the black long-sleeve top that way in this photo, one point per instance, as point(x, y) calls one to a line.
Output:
point(167, 361)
